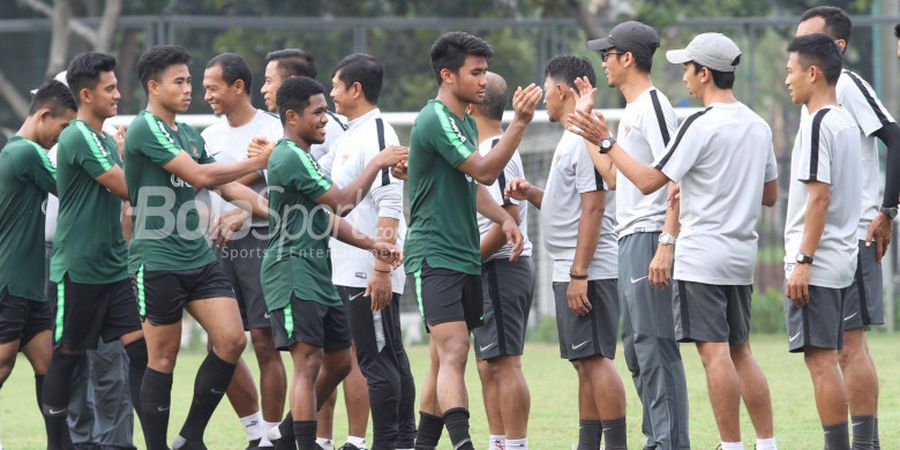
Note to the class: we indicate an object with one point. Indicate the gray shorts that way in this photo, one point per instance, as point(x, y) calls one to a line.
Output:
point(819, 323)
point(508, 288)
point(863, 304)
point(594, 334)
point(241, 261)
point(711, 313)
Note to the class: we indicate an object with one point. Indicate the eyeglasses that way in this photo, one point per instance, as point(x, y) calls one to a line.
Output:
point(605, 55)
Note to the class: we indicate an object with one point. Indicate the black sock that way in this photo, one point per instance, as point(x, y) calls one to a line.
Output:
point(212, 380)
point(876, 443)
point(457, 422)
point(156, 395)
point(55, 398)
point(614, 434)
point(429, 433)
point(51, 424)
point(589, 432)
point(837, 436)
point(305, 434)
point(137, 364)
point(863, 432)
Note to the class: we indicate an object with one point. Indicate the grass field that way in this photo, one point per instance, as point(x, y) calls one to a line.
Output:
point(554, 422)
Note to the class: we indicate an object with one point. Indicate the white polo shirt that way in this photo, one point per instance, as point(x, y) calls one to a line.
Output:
point(512, 170)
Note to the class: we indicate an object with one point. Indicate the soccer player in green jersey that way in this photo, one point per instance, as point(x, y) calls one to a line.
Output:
point(307, 315)
point(26, 176)
point(173, 266)
point(94, 297)
point(442, 244)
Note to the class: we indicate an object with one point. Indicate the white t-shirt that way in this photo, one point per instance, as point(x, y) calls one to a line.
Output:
point(571, 174)
point(722, 156)
point(333, 130)
point(348, 157)
point(826, 149)
point(644, 131)
point(512, 170)
point(229, 144)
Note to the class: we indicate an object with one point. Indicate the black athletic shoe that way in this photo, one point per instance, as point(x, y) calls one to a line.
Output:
point(349, 446)
point(193, 445)
point(283, 444)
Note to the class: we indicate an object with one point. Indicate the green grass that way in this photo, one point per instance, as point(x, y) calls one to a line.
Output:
point(554, 422)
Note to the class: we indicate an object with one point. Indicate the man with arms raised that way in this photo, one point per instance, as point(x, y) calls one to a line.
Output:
point(864, 303)
point(725, 164)
point(173, 266)
point(442, 245)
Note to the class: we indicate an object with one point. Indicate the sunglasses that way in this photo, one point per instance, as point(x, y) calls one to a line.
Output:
point(605, 55)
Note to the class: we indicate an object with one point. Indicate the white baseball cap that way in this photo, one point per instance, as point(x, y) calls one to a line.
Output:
point(61, 77)
point(713, 50)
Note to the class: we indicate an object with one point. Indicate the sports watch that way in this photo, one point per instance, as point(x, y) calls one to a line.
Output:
point(606, 144)
point(803, 258)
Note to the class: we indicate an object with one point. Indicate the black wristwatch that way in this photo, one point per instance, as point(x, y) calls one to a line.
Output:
point(607, 144)
point(891, 213)
point(803, 258)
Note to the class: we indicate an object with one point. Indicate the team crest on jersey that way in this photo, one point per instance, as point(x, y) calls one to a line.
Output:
point(194, 150)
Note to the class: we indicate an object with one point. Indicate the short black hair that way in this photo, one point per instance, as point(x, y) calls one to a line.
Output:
point(569, 67)
point(451, 49)
point(819, 50)
point(837, 22)
point(364, 69)
point(155, 60)
point(55, 96)
point(897, 31)
point(234, 67)
point(293, 62)
point(294, 94)
point(722, 80)
point(84, 71)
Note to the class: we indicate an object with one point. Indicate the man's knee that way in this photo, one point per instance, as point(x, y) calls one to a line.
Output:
point(505, 367)
point(855, 350)
point(230, 345)
point(820, 361)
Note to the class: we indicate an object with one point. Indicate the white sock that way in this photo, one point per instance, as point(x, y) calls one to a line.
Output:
point(517, 444)
point(252, 426)
point(178, 442)
point(325, 443)
point(266, 426)
point(732, 446)
point(495, 442)
point(766, 444)
point(360, 442)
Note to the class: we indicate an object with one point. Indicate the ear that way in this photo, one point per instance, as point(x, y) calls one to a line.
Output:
point(561, 91)
point(152, 86)
point(842, 44)
point(627, 59)
point(470, 110)
point(84, 96)
point(447, 75)
point(239, 85)
point(356, 90)
point(290, 117)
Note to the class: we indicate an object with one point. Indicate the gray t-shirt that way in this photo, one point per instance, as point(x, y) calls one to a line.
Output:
point(644, 132)
point(571, 174)
point(722, 156)
point(512, 170)
point(827, 150)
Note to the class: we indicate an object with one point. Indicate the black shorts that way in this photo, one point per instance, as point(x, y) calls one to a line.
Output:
point(241, 261)
point(446, 295)
point(594, 334)
point(83, 313)
point(711, 313)
point(863, 305)
point(312, 323)
point(507, 287)
point(162, 294)
point(819, 323)
point(22, 319)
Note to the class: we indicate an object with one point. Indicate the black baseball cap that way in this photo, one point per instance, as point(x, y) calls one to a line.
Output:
point(631, 36)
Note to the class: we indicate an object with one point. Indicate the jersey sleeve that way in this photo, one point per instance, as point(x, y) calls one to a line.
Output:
point(448, 139)
point(87, 151)
point(153, 140)
point(587, 178)
point(771, 160)
point(304, 176)
point(386, 191)
point(859, 99)
point(35, 167)
point(815, 150)
point(683, 152)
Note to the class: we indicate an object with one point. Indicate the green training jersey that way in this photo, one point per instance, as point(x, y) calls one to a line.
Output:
point(297, 259)
point(167, 232)
point(26, 176)
point(89, 244)
point(442, 223)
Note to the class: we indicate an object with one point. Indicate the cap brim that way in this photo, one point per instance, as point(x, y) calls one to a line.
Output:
point(600, 45)
point(678, 56)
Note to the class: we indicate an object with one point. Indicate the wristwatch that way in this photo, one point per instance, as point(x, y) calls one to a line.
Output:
point(666, 239)
point(606, 144)
point(891, 213)
point(803, 258)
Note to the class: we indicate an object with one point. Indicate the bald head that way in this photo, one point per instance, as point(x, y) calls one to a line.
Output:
point(494, 98)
